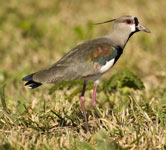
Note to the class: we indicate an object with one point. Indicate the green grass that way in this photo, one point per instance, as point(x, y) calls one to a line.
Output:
point(132, 105)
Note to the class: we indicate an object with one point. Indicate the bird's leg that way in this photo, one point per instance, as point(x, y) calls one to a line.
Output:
point(94, 94)
point(97, 112)
point(82, 100)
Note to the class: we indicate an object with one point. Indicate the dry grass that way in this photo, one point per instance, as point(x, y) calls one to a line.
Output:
point(35, 34)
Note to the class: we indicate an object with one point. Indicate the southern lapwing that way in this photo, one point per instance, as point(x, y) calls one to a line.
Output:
point(89, 60)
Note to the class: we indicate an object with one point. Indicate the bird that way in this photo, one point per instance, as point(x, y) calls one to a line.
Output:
point(89, 60)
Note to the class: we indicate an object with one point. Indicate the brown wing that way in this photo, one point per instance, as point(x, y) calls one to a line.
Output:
point(101, 54)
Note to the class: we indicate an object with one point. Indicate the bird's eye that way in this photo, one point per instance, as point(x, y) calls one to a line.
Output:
point(129, 21)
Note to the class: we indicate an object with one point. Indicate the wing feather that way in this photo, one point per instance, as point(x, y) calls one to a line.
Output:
point(81, 62)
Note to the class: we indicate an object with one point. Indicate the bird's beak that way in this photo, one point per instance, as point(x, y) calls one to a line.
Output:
point(142, 28)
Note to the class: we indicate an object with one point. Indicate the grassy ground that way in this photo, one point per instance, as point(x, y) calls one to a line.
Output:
point(35, 34)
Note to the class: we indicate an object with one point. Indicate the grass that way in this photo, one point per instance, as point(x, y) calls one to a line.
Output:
point(35, 34)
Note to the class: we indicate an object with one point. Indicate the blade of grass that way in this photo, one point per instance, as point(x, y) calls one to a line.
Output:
point(3, 101)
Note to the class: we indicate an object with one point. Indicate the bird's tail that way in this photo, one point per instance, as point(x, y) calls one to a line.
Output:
point(29, 81)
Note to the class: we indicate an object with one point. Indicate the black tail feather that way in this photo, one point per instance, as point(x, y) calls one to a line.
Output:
point(28, 78)
point(32, 84)
point(29, 82)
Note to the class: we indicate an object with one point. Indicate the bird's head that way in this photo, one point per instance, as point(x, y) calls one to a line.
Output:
point(123, 28)
point(127, 23)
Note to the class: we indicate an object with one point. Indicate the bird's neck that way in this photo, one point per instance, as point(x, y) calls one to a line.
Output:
point(119, 38)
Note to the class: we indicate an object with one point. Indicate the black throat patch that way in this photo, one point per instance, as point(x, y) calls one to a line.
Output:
point(136, 23)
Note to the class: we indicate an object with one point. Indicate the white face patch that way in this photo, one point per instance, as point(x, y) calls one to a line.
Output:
point(107, 66)
point(132, 27)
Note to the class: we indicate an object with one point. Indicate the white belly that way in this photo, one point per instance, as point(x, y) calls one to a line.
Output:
point(107, 66)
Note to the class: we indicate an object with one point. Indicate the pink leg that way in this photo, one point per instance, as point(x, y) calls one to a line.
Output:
point(94, 96)
point(82, 100)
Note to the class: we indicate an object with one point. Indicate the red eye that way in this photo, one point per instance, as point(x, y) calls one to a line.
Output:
point(128, 21)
